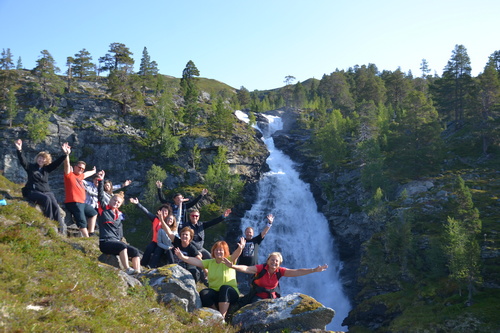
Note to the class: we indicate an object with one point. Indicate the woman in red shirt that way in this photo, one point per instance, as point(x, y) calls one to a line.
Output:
point(265, 284)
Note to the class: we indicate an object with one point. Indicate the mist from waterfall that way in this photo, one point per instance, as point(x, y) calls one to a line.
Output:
point(299, 231)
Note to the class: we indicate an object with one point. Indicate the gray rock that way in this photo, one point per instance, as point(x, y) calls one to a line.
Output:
point(174, 280)
point(295, 312)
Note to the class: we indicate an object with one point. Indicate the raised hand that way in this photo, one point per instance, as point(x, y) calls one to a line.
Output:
point(227, 212)
point(66, 148)
point(242, 243)
point(19, 144)
point(159, 184)
point(270, 218)
point(135, 201)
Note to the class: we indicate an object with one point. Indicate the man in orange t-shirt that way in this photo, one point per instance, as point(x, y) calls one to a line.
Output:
point(85, 215)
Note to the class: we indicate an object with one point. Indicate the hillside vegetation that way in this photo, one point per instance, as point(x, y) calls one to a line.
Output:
point(426, 260)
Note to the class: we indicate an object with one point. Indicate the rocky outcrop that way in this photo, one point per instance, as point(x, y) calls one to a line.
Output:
point(175, 284)
point(294, 312)
point(102, 136)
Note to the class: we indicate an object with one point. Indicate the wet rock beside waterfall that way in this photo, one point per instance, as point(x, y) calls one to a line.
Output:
point(296, 312)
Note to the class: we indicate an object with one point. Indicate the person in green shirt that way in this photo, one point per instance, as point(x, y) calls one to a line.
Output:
point(222, 286)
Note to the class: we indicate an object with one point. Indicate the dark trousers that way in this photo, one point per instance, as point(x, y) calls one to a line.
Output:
point(48, 202)
point(152, 255)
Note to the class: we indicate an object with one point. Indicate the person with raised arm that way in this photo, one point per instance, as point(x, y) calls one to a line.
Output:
point(152, 253)
point(222, 287)
point(199, 228)
point(265, 283)
point(179, 204)
point(110, 230)
point(37, 187)
point(85, 216)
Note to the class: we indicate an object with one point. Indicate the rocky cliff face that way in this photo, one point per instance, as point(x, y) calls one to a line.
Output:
point(102, 136)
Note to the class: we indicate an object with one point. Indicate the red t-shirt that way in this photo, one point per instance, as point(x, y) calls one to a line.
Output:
point(74, 187)
point(268, 281)
point(156, 227)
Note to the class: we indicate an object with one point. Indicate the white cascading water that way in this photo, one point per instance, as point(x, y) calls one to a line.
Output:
point(299, 231)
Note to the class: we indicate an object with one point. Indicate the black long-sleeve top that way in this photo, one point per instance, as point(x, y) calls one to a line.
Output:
point(38, 178)
point(175, 208)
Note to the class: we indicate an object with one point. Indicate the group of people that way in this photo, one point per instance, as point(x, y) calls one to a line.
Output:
point(178, 233)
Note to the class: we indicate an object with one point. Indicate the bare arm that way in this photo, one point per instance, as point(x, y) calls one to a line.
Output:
point(304, 271)
point(165, 226)
point(240, 268)
point(270, 220)
point(89, 173)
point(67, 150)
point(195, 261)
point(241, 245)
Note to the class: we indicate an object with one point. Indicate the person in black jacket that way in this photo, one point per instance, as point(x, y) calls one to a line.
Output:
point(37, 187)
point(179, 204)
point(110, 229)
point(199, 228)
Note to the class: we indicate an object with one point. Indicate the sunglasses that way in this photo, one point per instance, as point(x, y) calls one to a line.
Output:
point(195, 215)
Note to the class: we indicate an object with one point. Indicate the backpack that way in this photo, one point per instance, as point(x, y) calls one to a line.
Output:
point(254, 288)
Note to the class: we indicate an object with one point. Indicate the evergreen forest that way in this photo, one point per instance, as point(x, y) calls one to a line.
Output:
point(429, 270)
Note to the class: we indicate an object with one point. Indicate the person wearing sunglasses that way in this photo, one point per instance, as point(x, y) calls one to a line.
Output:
point(200, 226)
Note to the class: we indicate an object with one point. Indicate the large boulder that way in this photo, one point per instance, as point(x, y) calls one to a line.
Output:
point(295, 312)
point(173, 283)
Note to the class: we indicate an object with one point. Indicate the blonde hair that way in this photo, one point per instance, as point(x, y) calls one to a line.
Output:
point(46, 155)
point(174, 224)
point(119, 195)
point(277, 254)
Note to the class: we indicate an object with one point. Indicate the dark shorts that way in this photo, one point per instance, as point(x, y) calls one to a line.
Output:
point(80, 211)
point(115, 247)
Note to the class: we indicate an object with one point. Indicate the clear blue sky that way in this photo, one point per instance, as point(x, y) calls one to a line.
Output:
point(256, 43)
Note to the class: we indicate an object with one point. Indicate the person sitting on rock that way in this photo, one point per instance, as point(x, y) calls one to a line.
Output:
point(153, 252)
point(185, 248)
point(164, 240)
point(37, 187)
point(110, 225)
point(199, 228)
point(265, 283)
point(222, 287)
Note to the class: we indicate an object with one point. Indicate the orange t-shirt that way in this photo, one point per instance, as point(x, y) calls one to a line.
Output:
point(74, 187)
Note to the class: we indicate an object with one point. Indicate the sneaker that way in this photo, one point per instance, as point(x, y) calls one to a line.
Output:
point(130, 271)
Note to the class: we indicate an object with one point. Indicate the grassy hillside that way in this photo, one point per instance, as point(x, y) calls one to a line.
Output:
point(50, 283)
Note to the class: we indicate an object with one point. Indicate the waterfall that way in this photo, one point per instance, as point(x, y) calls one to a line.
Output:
point(299, 231)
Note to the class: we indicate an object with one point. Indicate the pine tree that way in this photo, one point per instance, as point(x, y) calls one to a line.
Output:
point(225, 185)
point(50, 83)
point(12, 105)
point(414, 143)
point(6, 61)
point(243, 97)
point(37, 124)
point(190, 92)
point(119, 57)
point(222, 120)
point(83, 66)
point(489, 95)
point(161, 122)
point(455, 86)
point(147, 70)
point(461, 245)
point(19, 63)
